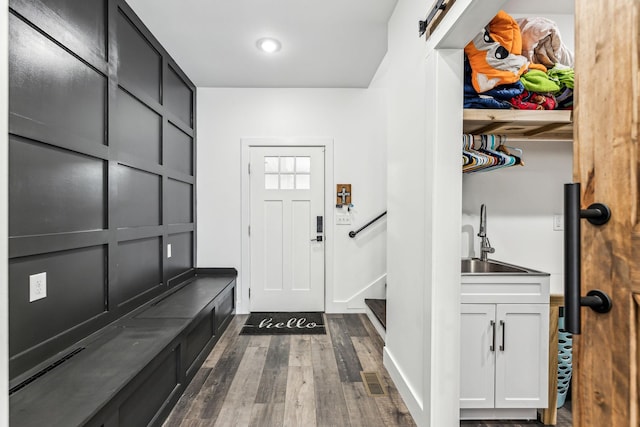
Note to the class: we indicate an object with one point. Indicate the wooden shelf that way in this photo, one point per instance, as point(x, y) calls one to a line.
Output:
point(521, 124)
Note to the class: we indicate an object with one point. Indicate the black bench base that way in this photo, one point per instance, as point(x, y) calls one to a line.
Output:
point(132, 372)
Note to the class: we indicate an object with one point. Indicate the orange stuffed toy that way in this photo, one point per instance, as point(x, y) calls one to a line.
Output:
point(495, 54)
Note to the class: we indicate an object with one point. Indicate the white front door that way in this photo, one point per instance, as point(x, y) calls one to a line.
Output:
point(287, 228)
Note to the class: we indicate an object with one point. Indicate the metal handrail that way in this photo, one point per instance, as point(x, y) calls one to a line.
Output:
point(353, 234)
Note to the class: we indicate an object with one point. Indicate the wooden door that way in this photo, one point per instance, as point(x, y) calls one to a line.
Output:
point(287, 229)
point(606, 162)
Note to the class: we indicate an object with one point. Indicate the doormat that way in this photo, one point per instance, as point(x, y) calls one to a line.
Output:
point(284, 323)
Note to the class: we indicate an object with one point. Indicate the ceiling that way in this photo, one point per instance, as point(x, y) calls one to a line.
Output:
point(327, 43)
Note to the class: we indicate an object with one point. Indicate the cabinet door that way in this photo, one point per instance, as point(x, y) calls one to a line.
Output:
point(477, 359)
point(522, 342)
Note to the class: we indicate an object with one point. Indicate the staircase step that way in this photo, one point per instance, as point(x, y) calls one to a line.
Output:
point(379, 309)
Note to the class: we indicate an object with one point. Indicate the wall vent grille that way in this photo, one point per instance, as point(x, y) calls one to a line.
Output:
point(43, 371)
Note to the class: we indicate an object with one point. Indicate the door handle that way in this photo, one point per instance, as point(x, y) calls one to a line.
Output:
point(317, 239)
point(596, 214)
point(503, 325)
point(492, 347)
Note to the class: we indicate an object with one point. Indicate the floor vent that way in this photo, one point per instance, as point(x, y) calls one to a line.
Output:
point(41, 372)
point(373, 384)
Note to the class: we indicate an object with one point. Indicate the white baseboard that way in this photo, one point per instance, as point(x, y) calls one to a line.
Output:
point(406, 391)
point(376, 323)
point(498, 414)
point(355, 304)
point(376, 289)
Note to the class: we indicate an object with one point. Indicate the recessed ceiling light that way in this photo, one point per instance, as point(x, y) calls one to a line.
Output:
point(269, 45)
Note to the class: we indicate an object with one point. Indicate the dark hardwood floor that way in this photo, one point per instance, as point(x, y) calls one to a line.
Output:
point(299, 381)
point(292, 380)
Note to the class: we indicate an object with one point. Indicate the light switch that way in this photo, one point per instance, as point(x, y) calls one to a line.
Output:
point(169, 250)
point(343, 218)
point(37, 286)
point(558, 222)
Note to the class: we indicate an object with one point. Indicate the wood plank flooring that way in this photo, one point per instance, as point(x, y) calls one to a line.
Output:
point(300, 381)
point(292, 381)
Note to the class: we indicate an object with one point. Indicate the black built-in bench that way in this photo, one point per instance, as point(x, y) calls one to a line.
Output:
point(133, 371)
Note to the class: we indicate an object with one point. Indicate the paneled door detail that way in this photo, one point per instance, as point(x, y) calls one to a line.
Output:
point(606, 163)
point(287, 228)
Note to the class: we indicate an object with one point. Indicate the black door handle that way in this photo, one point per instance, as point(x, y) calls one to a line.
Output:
point(596, 214)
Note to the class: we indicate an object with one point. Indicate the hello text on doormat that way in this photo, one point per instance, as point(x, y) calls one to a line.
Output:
point(284, 323)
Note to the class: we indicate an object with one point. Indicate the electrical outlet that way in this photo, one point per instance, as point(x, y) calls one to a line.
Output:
point(558, 222)
point(343, 219)
point(37, 286)
point(169, 250)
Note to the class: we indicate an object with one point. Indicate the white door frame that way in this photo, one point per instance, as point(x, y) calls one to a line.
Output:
point(244, 275)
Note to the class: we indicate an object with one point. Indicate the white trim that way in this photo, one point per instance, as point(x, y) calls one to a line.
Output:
point(442, 298)
point(376, 323)
point(499, 414)
point(244, 275)
point(408, 394)
point(465, 19)
point(355, 303)
point(443, 190)
point(376, 289)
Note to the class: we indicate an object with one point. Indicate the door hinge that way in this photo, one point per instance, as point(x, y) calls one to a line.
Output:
point(249, 168)
point(249, 230)
point(249, 293)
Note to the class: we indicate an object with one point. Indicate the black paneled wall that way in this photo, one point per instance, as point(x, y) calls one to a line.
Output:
point(102, 172)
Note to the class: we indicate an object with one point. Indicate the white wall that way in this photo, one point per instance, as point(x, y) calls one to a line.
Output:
point(521, 203)
point(356, 121)
point(407, 331)
point(425, 187)
point(4, 201)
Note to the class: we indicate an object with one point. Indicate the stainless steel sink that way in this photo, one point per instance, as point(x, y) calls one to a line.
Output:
point(478, 266)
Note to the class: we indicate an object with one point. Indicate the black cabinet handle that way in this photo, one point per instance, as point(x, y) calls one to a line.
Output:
point(503, 325)
point(492, 347)
point(596, 214)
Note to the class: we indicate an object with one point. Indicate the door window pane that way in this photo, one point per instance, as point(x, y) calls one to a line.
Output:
point(303, 182)
point(287, 173)
point(287, 164)
point(286, 182)
point(271, 164)
point(271, 181)
point(303, 164)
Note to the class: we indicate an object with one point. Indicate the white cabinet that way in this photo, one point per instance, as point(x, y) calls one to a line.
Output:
point(477, 355)
point(504, 346)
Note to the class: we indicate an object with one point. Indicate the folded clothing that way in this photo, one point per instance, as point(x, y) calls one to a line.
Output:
point(487, 102)
point(533, 101)
point(539, 81)
point(496, 98)
point(494, 54)
point(564, 99)
point(542, 44)
point(565, 77)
